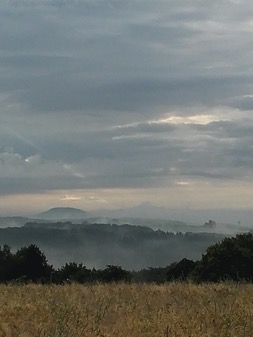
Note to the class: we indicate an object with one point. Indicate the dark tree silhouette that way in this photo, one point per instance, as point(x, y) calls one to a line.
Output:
point(8, 267)
point(73, 272)
point(113, 274)
point(230, 259)
point(32, 264)
point(181, 270)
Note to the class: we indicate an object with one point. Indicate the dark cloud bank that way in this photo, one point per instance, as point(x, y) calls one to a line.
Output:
point(113, 94)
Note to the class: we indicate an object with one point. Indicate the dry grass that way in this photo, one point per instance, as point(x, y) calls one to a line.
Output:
point(173, 310)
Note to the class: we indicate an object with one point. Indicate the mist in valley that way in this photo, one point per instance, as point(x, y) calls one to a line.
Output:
point(133, 243)
point(124, 238)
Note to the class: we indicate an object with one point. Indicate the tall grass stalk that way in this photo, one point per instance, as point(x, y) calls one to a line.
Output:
point(127, 310)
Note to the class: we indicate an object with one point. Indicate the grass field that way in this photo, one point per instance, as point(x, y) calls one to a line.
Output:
point(173, 310)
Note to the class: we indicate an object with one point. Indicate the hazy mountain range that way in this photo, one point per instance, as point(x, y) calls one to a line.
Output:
point(120, 237)
point(143, 215)
point(241, 217)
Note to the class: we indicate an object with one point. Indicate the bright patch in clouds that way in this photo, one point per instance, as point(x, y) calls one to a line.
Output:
point(183, 183)
point(96, 199)
point(69, 197)
point(198, 119)
point(247, 96)
point(179, 118)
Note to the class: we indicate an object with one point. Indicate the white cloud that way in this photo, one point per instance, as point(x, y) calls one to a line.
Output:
point(247, 96)
point(197, 119)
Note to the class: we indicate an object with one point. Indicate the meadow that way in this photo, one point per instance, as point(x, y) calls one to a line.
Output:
point(127, 310)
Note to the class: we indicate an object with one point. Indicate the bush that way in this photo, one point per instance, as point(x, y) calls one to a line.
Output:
point(73, 272)
point(32, 265)
point(181, 270)
point(230, 259)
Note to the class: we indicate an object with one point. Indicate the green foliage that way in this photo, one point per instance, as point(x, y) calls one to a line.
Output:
point(113, 274)
point(230, 259)
point(73, 272)
point(32, 264)
point(28, 263)
point(7, 264)
point(151, 275)
point(132, 247)
point(181, 270)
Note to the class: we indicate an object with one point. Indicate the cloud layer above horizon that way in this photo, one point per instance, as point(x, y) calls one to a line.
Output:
point(113, 95)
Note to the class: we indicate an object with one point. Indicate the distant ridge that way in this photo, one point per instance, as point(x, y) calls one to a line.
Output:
point(62, 213)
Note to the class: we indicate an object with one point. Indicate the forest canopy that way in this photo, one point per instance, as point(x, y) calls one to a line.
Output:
point(230, 259)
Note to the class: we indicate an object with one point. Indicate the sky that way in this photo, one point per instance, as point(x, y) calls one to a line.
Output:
point(113, 103)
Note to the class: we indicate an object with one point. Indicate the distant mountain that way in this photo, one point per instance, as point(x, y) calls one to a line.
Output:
point(237, 217)
point(62, 213)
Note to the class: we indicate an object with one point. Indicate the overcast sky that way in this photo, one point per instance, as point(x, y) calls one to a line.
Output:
point(111, 103)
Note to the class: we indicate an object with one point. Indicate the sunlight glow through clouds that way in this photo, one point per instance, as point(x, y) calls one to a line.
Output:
point(72, 170)
point(220, 114)
point(183, 183)
point(69, 197)
point(96, 199)
point(198, 119)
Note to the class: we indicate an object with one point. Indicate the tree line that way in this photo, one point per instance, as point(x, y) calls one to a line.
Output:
point(230, 259)
point(132, 247)
point(29, 264)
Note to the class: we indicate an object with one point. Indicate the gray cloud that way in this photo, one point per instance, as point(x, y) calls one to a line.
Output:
point(94, 89)
point(117, 57)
